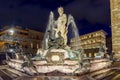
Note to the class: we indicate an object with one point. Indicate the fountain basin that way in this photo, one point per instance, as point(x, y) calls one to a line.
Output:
point(43, 67)
point(69, 66)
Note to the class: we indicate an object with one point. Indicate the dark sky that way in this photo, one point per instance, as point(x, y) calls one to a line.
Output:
point(90, 15)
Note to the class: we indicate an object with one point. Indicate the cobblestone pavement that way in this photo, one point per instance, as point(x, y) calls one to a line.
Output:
point(106, 74)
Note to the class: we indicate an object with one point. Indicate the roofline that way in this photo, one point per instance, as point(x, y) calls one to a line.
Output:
point(95, 32)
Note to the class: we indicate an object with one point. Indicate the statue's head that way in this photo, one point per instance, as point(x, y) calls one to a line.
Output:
point(60, 10)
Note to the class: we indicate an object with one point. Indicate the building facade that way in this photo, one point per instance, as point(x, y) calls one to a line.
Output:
point(115, 25)
point(35, 38)
point(90, 42)
point(29, 39)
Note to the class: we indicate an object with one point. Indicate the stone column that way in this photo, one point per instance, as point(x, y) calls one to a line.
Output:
point(115, 27)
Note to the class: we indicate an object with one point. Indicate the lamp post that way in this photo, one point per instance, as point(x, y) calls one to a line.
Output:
point(8, 37)
point(11, 34)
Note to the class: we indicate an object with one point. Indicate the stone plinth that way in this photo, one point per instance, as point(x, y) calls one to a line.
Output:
point(44, 67)
point(99, 64)
point(68, 67)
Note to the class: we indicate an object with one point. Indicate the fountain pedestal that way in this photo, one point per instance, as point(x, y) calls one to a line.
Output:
point(68, 67)
point(43, 67)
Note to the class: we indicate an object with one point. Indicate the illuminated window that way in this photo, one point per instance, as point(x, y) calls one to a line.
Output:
point(95, 54)
point(93, 41)
point(90, 55)
point(31, 45)
point(37, 46)
point(89, 36)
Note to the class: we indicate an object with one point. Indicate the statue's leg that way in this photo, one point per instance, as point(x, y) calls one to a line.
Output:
point(65, 39)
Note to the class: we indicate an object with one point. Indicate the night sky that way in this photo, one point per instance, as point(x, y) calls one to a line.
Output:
point(89, 15)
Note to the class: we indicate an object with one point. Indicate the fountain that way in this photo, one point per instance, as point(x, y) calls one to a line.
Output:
point(55, 55)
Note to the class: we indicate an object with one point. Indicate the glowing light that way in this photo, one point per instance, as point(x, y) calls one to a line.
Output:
point(11, 50)
point(55, 58)
point(11, 32)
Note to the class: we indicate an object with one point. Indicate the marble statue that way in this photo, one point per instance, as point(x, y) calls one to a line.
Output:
point(61, 25)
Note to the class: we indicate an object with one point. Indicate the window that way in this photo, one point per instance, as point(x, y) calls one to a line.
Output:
point(90, 55)
point(37, 45)
point(31, 45)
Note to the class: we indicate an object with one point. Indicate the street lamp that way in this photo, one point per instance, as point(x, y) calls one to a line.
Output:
point(8, 37)
point(11, 32)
